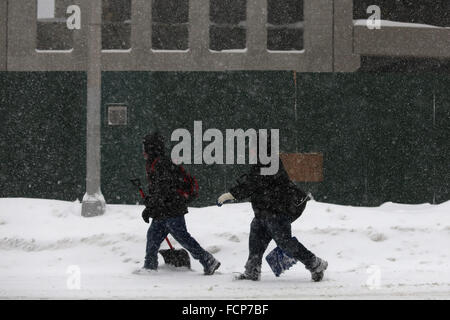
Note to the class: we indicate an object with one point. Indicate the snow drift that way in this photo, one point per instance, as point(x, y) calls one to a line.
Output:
point(391, 251)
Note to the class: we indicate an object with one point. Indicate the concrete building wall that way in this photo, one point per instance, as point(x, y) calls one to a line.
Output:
point(3, 30)
point(331, 40)
point(344, 59)
point(22, 33)
point(402, 42)
point(317, 56)
point(61, 7)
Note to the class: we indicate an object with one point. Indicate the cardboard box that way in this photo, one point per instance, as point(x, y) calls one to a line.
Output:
point(303, 167)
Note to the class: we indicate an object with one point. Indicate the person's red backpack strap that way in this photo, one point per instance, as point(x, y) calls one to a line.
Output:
point(150, 168)
point(190, 192)
point(190, 188)
point(153, 164)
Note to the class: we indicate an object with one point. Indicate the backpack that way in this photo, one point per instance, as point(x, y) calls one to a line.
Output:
point(187, 185)
point(296, 200)
point(188, 188)
point(291, 199)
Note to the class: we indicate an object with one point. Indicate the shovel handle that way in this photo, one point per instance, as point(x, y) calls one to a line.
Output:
point(170, 245)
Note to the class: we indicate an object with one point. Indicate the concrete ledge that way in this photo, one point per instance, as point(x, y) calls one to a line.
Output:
point(402, 41)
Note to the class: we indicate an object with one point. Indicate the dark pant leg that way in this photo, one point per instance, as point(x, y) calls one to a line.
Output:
point(177, 228)
point(258, 241)
point(280, 229)
point(155, 235)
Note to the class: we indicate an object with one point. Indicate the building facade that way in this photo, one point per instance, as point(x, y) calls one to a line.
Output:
point(141, 65)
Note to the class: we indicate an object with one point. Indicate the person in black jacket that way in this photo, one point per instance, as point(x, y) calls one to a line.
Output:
point(167, 207)
point(269, 198)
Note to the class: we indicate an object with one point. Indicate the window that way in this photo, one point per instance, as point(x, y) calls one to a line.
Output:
point(227, 29)
point(285, 25)
point(52, 31)
point(116, 24)
point(170, 24)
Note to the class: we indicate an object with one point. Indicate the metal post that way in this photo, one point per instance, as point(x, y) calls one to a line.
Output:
point(93, 201)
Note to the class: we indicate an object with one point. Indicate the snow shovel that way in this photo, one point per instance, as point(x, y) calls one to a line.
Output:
point(279, 261)
point(172, 256)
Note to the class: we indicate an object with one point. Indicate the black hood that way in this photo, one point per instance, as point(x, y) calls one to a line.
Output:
point(154, 145)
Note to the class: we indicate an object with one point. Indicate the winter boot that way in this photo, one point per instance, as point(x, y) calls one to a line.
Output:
point(248, 276)
point(317, 269)
point(211, 266)
point(150, 265)
point(251, 273)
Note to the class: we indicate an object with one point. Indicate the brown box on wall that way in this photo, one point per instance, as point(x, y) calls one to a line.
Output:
point(303, 167)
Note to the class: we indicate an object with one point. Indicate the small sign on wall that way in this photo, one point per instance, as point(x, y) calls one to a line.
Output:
point(303, 167)
point(117, 114)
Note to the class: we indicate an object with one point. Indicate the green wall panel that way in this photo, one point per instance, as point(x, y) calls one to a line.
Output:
point(377, 136)
point(170, 100)
point(42, 129)
point(442, 140)
point(376, 131)
point(400, 154)
point(332, 120)
point(385, 137)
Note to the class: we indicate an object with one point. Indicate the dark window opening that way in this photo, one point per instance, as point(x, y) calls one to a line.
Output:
point(170, 24)
point(227, 24)
point(285, 27)
point(52, 31)
point(435, 12)
point(116, 24)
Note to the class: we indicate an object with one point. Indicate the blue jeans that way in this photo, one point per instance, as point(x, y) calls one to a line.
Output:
point(158, 231)
point(278, 228)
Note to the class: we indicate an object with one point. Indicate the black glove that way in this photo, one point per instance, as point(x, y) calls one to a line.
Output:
point(147, 201)
point(146, 215)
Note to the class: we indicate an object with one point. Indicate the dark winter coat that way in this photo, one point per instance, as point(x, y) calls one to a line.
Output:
point(163, 199)
point(268, 193)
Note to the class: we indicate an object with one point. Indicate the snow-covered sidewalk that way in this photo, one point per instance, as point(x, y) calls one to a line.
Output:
point(392, 251)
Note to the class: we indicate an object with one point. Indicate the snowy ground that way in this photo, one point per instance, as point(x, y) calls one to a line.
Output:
point(406, 245)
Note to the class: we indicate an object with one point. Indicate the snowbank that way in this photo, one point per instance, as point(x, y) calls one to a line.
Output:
point(392, 251)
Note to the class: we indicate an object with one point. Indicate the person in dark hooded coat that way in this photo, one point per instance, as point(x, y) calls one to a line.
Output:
point(269, 198)
point(167, 207)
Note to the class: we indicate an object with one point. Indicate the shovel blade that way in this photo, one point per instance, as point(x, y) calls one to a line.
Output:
point(279, 261)
point(176, 257)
